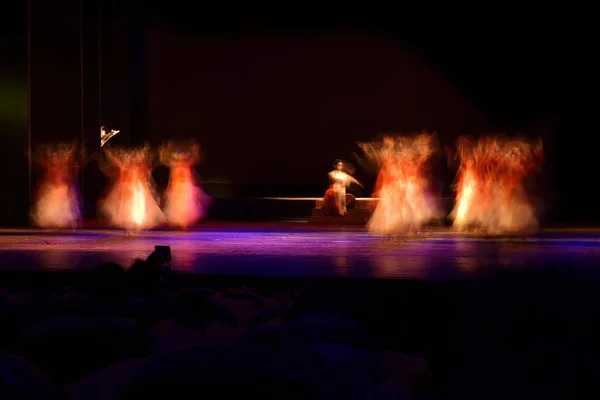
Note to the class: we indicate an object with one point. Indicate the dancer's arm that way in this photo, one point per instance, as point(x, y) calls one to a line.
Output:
point(356, 182)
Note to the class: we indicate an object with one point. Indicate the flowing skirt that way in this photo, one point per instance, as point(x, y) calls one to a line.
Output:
point(335, 203)
point(402, 208)
point(132, 206)
point(496, 211)
point(185, 204)
point(57, 206)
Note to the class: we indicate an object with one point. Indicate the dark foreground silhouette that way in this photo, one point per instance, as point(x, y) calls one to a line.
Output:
point(140, 333)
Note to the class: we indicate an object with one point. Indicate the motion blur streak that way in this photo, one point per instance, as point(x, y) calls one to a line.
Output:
point(492, 196)
point(131, 202)
point(57, 199)
point(185, 202)
point(405, 200)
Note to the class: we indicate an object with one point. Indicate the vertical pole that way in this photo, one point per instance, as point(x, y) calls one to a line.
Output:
point(137, 72)
point(29, 138)
point(99, 65)
point(81, 91)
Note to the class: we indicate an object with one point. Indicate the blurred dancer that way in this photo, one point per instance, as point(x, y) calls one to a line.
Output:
point(131, 201)
point(185, 201)
point(491, 192)
point(57, 198)
point(403, 187)
point(335, 199)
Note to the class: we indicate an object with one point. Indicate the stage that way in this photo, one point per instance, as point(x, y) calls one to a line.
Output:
point(299, 250)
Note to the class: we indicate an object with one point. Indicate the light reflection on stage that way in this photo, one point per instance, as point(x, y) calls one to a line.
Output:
point(294, 251)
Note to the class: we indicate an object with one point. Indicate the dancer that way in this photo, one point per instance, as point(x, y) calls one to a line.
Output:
point(336, 200)
point(185, 200)
point(491, 194)
point(57, 198)
point(405, 203)
point(131, 202)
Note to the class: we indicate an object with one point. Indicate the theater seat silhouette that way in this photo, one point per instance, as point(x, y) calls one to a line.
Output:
point(19, 379)
point(272, 373)
point(66, 348)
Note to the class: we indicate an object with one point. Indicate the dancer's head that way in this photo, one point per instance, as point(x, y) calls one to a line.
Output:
point(338, 165)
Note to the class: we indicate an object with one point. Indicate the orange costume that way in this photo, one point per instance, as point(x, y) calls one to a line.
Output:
point(131, 203)
point(404, 203)
point(491, 193)
point(57, 198)
point(185, 200)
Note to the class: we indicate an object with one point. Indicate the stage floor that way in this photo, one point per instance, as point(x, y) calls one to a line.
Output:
point(276, 250)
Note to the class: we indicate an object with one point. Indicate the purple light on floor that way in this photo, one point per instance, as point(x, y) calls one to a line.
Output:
point(300, 252)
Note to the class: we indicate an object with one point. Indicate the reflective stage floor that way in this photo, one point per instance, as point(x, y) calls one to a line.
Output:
point(277, 250)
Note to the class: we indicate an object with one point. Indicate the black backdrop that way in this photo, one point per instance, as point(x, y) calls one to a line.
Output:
point(14, 189)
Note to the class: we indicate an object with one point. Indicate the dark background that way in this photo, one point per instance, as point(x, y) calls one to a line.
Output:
point(274, 97)
point(14, 190)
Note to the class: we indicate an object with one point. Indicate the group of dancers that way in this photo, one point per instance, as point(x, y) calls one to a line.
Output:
point(131, 202)
point(491, 192)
